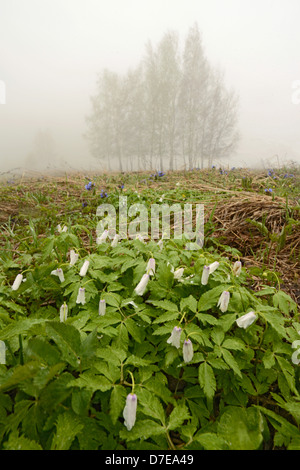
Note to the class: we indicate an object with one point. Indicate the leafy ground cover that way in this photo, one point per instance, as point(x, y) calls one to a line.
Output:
point(143, 347)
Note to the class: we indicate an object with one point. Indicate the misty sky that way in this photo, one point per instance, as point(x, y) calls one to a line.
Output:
point(52, 50)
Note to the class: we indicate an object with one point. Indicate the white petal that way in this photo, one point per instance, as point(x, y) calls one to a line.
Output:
point(129, 412)
point(84, 268)
point(17, 282)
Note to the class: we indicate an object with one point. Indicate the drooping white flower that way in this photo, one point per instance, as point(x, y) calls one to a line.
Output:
point(129, 412)
point(141, 287)
point(213, 267)
point(73, 257)
point(175, 337)
point(63, 313)
point(2, 353)
point(59, 272)
point(237, 268)
point(205, 275)
point(115, 240)
point(246, 320)
point(150, 269)
point(178, 273)
point(187, 350)
point(17, 282)
point(81, 296)
point(224, 301)
point(102, 237)
point(84, 268)
point(61, 229)
point(102, 307)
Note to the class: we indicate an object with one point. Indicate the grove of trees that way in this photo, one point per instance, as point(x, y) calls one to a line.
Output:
point(171, 111)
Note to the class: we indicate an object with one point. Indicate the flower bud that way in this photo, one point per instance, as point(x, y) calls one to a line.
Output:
point(141, 287)
point(84, 268)
point(115, 240)
point(187, 350)
point(63, 313)
point(102, 307)
point(178, 273)
point(246, 320)
point(213, 267)
point(224, 301)
point(73, 257)
point(58, 272)
point(102, 238)
point(17, 282)
point(175, 337)
point(81, 296)
point(237, 268)
point(151, 267)
point(129, 412)
point(205, 275)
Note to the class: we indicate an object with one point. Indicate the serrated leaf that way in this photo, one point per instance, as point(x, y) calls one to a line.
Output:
point(67, 339)
point(68, 425)
point(229, 359)
point(142, 430)
point(117, 402)
point(210, 441)
point(207, 379)
point(178, 415)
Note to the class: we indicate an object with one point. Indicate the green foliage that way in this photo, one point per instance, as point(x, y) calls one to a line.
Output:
point(64, 384)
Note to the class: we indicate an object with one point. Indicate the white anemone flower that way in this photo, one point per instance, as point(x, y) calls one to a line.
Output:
point(175, 337)
point(81, 296)
point(102, 237)
point(84, 268)
point(246, 320)
point(205, 275)
point(61, 229)
point(237, 268)
point(178, 273)
point(115, 240)
point(17, 282)
point(59, 272)
point(102, 307)
point(224, 301)
point(63, 313)
point(73, 257)
point(129, 412)
point(213, 267)
point(150, 269)
point(187, 350)
point(141, 287)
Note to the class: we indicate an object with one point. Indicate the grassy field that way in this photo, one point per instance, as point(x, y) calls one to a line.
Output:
point(67, 370)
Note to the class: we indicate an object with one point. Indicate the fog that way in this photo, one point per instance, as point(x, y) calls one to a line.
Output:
point(51, 52)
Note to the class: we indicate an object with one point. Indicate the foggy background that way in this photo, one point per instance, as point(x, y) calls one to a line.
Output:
point(51, 52)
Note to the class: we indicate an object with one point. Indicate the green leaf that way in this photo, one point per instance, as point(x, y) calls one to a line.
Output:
point(210, 441)
point(207, 379)
point(210, 298)
point(178, 415)
point(241, 428)
point(117, 402)
point(18, 375)
point(189, 302)
point(16, 442)
point(67, 339)
point(142, 430)
point(229, 359)
point(68, 425)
